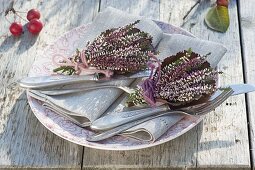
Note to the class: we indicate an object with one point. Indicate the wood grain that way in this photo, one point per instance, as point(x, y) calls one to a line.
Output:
point(247, 21)
point(222, 129)
point(221, 141)
point(24, 142)
point(224, 140)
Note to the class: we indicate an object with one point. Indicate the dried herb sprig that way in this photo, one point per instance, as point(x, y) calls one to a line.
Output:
point(124, 49)
point(135, 98)
point(182, 79)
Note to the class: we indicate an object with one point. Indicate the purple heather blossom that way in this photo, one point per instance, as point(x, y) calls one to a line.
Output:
point(185, 77)
point(178, 80)
point(124, 49)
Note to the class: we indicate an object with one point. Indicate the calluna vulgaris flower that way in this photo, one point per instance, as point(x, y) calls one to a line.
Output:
point(183, 78)
point(123, 49)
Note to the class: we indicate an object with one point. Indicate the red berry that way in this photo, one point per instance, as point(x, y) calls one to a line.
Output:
point(33, 14)
point(16, 28)
point(222, 3)
point(35, 26)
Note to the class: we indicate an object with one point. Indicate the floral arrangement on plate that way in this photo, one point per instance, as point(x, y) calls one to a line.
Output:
point(72, 66)
point(182, 79)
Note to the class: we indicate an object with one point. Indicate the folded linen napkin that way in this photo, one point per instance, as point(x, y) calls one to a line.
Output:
point(113, 18)
point(91, 105)
point(79, 108)
point(170, 45)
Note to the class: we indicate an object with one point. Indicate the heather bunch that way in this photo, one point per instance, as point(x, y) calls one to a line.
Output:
point(183, 78)
point(121, 50)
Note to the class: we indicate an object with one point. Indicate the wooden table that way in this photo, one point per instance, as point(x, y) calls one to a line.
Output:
point(225, 139)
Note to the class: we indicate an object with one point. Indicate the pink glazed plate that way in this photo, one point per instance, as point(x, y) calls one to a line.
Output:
point(64, 46)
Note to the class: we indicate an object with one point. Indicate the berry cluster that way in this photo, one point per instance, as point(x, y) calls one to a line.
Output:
point(34, 25)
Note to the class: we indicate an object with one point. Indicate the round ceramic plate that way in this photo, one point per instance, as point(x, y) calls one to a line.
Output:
point(64, 46)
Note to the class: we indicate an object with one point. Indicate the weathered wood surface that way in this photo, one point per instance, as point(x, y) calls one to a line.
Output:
point(221, 141)
point(247, 21)
point(224, 141)
point(24, 142)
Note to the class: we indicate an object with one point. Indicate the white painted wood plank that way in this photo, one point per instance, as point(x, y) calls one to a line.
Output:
point(224, 141)
point(24, 142)
point(247, 21)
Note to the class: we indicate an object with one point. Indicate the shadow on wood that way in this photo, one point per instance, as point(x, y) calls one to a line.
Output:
point(25, 142)
point(26, 41)
point(8, 43)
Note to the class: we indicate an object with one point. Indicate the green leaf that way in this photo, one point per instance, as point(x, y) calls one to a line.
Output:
point(217, 18)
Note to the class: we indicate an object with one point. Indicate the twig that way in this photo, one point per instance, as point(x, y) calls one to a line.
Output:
point(20, 11)
point(185, 16)
point(20, 16)
point(7, 19)
point(11, 9)
point(4, 36)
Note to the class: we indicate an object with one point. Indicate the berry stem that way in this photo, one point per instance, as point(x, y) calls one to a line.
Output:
point(4, 36)
point(7, 19)
point(20, 16)
point(20, 11)
point(11, 9)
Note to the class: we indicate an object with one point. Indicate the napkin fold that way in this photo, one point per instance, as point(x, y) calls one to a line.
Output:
point(171, 44)
point(84, 108)
point(113, 18)
point(153, 129)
